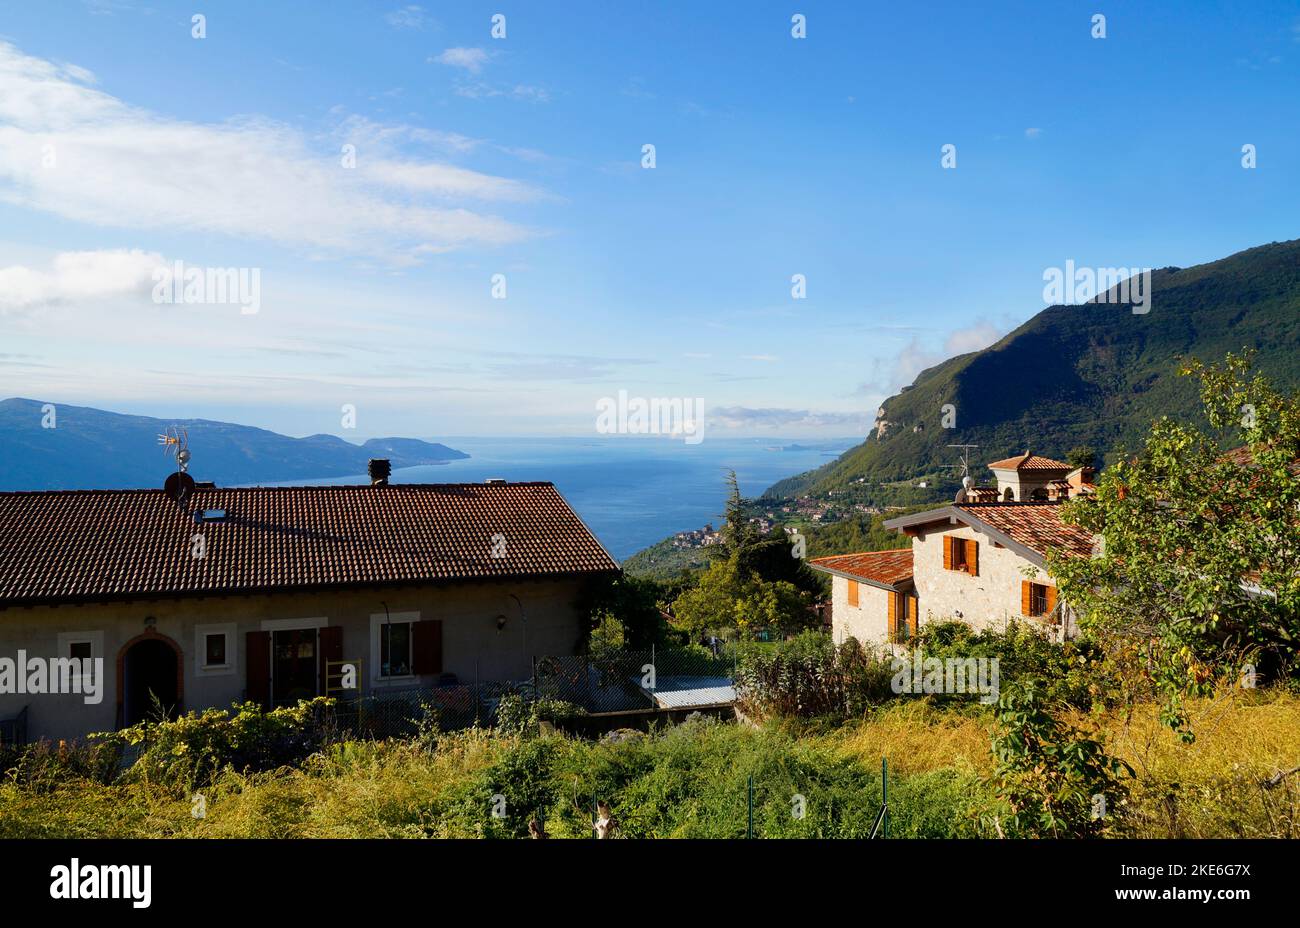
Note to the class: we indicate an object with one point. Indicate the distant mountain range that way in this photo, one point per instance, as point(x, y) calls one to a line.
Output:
point(1093, 375)
point(93, 449)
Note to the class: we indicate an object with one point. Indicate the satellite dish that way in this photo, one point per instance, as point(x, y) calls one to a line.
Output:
point(179, 486)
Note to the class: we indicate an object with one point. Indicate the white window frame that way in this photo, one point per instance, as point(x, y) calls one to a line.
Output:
point(201, 633)
point(96, 641)
point(378, 621)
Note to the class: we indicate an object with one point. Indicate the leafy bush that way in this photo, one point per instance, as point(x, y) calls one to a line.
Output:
point(1051, 780)
point(521, 715)
point(1067, 673)
point(808, 677)
point(195, 748)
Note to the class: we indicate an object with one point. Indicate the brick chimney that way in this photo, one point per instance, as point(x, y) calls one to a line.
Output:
point(380, 468)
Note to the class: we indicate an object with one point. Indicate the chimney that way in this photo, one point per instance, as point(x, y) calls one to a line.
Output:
point(380, 468)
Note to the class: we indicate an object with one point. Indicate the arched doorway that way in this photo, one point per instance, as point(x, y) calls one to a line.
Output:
point(1008, 496)
point(148, 674)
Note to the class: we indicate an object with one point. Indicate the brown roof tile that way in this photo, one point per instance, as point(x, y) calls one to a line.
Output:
point(73, 546)
point(1037, 526)
point(886, 567)
point(1030, 462)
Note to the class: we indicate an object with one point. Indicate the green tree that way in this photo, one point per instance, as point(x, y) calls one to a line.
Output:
point(727, 597)
point(1197, 576)
point(1082, 456)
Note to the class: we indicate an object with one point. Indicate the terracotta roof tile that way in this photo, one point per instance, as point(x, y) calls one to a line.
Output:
point(888, 567)
point(1030, 462)
point(72, 546)
point(1037, 526)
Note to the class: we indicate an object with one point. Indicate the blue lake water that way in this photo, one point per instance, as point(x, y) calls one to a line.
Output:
point(631, 492)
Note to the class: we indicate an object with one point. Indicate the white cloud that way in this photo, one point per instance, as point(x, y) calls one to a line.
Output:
point(79, 275)
point(408, 17)
point(743, 417)
point(121, 166)
point(980, 334)
point(1033, 132)
point(471, 59)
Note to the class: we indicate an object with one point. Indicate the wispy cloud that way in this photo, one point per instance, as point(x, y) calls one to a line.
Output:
point(744, 417)
point(470, 59)
point(77, 152)
point(409, 17)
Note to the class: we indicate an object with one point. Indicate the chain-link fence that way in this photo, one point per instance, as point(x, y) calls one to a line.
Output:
point(605, 682)
point(623, 681)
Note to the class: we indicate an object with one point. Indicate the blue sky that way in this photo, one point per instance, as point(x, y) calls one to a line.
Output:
point(521, 156)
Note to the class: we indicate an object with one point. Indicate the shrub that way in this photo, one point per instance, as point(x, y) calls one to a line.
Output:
point(195, 748)
point(520, 715)
point(1051, 780)
point(808, 677)
point(1066, 673)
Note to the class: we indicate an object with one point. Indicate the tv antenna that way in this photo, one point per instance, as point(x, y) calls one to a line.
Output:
point(965, 460)
point(176, 442)
point(180, 485)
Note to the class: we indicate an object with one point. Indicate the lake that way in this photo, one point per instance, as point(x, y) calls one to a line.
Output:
point(632, 492)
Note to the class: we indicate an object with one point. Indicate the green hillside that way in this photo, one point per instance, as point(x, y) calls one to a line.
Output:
point(1092, 375)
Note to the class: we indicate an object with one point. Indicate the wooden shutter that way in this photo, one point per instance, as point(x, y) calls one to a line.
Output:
point(1051, 598)
point(973, 557)
point(947, 552)
point(892, 627)
point(426, 645)
point(257, 667)
point(853, 592)
point(912, 608)
point(331, 649)
point(1026, 597)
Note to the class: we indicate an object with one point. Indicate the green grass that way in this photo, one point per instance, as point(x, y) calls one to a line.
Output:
point(692, 781)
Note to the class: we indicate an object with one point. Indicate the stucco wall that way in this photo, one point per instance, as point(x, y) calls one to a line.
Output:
point(868, 621)
point(471, 642)
point(984, 601)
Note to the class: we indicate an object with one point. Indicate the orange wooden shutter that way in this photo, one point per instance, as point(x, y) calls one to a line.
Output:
point(853, 592)
point(893, 615)
point(1051, 599)
point(973, 557)
point(947, 552)
point(911, 616)
point(1026, 597)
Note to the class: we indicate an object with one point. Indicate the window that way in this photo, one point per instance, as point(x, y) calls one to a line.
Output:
point(395, 649)
point(215, 650)
point(961, 554)
point(902, 617)
point(81, 650)
point(853, 592)
point(1037, 599)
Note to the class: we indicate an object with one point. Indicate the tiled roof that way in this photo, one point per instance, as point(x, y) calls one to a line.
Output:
point(134, 544)
point(982, 494)
point(885, 567)
point(1037, 526)
point(1029, 461)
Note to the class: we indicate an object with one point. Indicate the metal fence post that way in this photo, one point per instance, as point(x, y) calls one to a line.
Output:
point(750, 833)
point(884, 795)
